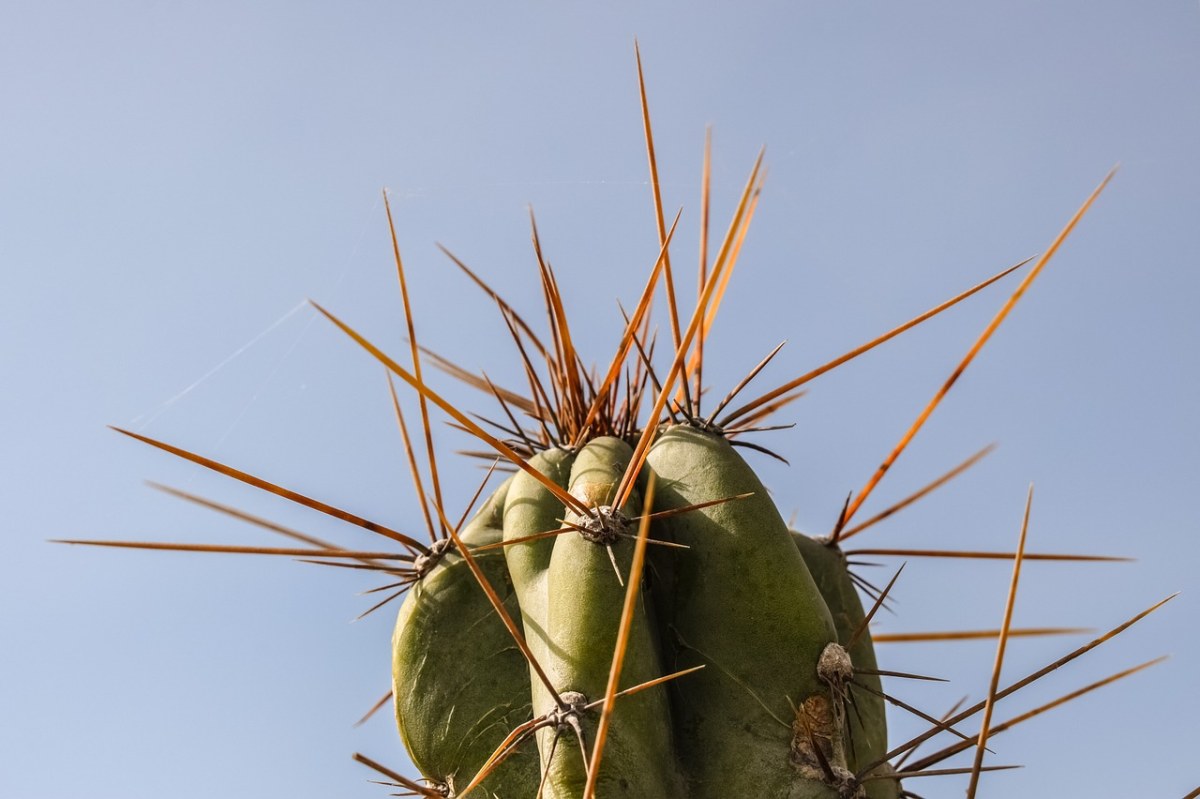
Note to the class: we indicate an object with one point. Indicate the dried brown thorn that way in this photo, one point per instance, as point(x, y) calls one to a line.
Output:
point(456, 414)
point(257, 482)
point(1001, 647)
point(983, 339)
point(955, 748)
point(375, 708)
point(1027, 680)
point(910, 499)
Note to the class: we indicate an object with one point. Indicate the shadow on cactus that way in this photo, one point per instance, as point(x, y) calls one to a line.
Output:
point(627, 614)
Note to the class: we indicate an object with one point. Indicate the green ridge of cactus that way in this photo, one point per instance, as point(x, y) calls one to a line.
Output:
point(478, 672)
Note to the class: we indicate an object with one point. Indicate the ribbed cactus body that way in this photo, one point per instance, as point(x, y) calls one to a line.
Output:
point(743, 605)
point(459, 682)
point(767, 716)
point(866, 723)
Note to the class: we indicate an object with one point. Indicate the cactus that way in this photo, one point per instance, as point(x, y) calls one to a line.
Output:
point(772, 725)
point(628, 614)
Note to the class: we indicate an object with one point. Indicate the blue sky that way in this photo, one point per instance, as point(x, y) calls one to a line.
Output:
point(176, 179)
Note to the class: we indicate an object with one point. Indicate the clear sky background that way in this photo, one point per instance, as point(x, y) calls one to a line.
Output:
point(177, 178)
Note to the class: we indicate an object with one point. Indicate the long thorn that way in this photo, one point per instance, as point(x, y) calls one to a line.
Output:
point(762, 413)
point(862, 626)
point(559, 325)
point(236, 550)
point(258, 521)
point(279, 491)
point(631, 326)
point(840, 523)
point(499, 395)
point(870, 345)
point(941, 723)
point(525, 539)
point(398, 779)
point(416, 356)
point(383, 700)
point(955, 748)
point(741, 219)
point(911, 498)
point(942, 772)
point(702, 277)
point(973, 635)
point(656, 681)
point(460, 373)
point(412, 457)
point(955, 553)
point(549, 762)
point(744, 382)
point(713, 305)
point(505, 307)
point(656, 189)
point(1000, 316)
point(1028, 679)
point(538, 394)
point(403, 586)
point(899, 764)
point(478, 492)
point(666, 514)
point(397, 571)
point(458, 415)
point(506, 747)
point(904, 675)
point(1001, 646)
